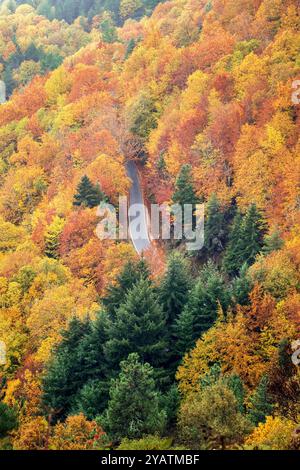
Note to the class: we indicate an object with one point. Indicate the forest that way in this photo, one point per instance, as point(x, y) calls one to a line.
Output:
point(172, 350)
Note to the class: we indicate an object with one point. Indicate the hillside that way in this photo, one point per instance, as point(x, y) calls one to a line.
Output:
point(199, 94)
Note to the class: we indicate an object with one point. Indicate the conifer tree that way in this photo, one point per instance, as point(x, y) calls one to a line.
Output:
point(139, 326)
point(246, 240)
point(254, 230)
point(63, 376)
point(132, 273)
point(215, 228)
point(233, 260)
point(272, 242)
point(200, 312)
point(175, 286)
point(260, 402)
point(133, 410)
point(242, 286)
point(88, 194)
point(184, 187)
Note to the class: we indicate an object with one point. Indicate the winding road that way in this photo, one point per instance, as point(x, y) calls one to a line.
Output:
point(138, 214)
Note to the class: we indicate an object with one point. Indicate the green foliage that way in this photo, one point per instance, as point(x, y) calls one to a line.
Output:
point(91, 400)
point(175, 287)
point(272, 242)
point(88, 194)
point(211, 419)
point(8, 419)
point(146, 443)
point(143, 116)
point(64, 375)
point(184, 187)
point(215, 227)
point(260, 403)
point(139, 326)
point(200, 312)
point(246, 240)
point(133, 410)
point(131, 274)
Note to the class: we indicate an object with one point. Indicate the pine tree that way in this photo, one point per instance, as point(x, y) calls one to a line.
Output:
point(64, 377)
point(184, 187)
point(246, 240)
point(200, 312)
point(260, 402)
point(139, 326)
point(92, 399)
point(8, 419)
point(232, 261)
point(242, 286)
point(52, 238)
point(183, 334)
point(215, 228)
point(88, 195)
point(133, 410)
point(254, 230)
point(132, 273)
point(175, 286)
point(272, 242)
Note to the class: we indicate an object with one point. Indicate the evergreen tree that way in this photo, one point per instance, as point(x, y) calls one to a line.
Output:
point(200, 312)
point(175, 287)
point(8, 419)
point(130, 47)
point(260, 402)
point(215, 228)
point(92, 399)
point(64, 376)
point(246, 240)
point(133, 410)
point(233, 260)
point(184, 187)
point(52, 238)
point(139, 326)
point(272, 242)
point(88, 195)
point(254, 230)
point(236, 385)
point(131, 274)
point(242, 286)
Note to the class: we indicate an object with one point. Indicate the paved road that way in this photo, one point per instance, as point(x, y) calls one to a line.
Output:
point(138, 227)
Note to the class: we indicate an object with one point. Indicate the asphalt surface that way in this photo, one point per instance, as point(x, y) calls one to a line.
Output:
point(138, 226)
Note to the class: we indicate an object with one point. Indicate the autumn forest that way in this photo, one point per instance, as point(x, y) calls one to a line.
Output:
point(102, 347)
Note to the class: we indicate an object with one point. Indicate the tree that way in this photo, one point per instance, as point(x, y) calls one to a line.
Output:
point(200, 312)
point(64, 375)
point(133, 410)
point(215, 228)
point(275, 434)
point(88, 195)
point(246, 240)
point(175, 287)
point(77, 433)
point(52, 238)
point(139, 326)
point(272, 242)
point(210, 419)
point(8, 419)
point(260, 403)
point(131, 274)
point(184, 188)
